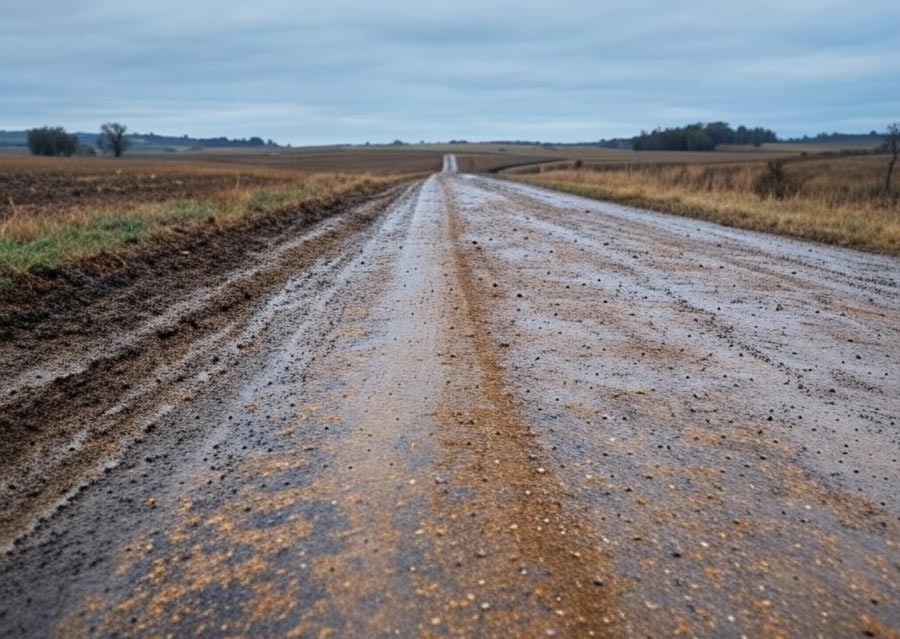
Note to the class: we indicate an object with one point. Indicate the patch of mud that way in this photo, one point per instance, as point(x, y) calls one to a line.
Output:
point(90, 361)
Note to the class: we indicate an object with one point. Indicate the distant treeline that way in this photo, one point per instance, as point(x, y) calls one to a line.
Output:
point(693, 137)
point(152, 139)
point(701, 137)
point(148, 140)
point(840, 138)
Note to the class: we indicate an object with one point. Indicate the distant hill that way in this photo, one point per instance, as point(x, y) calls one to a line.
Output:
point(12, 138)
point(148, 141)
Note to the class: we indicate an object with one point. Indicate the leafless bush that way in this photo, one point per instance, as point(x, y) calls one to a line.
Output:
point(892, 146)
point(775, 182)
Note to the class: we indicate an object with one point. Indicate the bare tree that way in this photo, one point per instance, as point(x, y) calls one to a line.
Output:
point(112, 138)
point(892, 145)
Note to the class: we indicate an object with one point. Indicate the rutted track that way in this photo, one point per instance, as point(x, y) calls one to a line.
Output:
point(483, 409)
point(74, 400)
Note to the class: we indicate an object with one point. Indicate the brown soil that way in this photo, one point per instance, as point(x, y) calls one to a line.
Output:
point(38, 185)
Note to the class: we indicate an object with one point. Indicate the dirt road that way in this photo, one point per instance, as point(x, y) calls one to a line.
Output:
point(488, 411)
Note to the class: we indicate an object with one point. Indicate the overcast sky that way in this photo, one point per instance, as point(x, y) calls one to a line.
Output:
point(334, 71)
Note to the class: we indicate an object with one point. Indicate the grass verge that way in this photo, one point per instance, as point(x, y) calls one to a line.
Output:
point(32, 241)
point(837, 200)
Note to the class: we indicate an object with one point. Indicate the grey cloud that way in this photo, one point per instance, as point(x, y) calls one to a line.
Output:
point(306, 72)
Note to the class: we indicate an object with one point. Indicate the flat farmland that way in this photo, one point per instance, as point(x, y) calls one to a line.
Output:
point(376, 159)
point(29, 183)
point(483, 157)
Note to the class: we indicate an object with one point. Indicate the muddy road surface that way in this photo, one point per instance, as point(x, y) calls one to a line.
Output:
point(485, 410)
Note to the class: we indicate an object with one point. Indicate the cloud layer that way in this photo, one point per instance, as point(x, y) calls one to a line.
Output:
point(341, 71)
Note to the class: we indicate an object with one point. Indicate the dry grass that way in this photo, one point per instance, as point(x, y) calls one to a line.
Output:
point(596, 156)
point(838, 200)
point(123, 203)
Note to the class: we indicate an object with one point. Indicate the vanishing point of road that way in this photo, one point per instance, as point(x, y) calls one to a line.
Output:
point(499, 411)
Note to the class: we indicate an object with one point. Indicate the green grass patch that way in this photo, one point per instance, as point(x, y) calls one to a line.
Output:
point(106, 232)
point(270, 199)
point(190, 211)
point(70, 242)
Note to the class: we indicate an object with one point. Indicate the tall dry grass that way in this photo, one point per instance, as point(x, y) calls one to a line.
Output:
point(33, 238)
point(839, 200)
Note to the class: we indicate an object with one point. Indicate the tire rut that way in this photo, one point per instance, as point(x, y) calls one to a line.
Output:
point(582, 588)
point(61, 429)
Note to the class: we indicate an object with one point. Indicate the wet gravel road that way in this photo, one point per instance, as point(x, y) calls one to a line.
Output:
point(500, 411)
